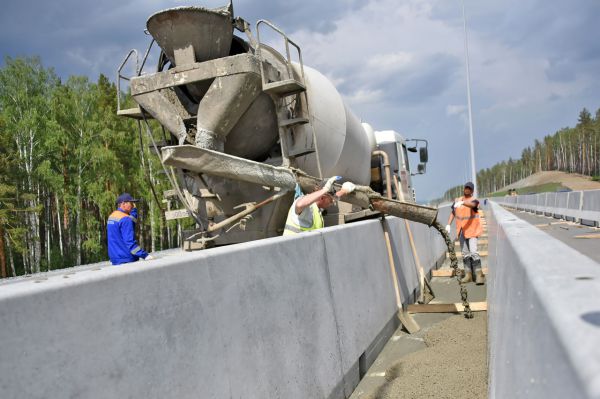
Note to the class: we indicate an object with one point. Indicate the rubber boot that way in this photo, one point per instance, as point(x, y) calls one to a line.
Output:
point(468, 277)
point(479, 277)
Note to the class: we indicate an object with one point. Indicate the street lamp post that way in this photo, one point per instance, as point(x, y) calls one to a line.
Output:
point(473, 172)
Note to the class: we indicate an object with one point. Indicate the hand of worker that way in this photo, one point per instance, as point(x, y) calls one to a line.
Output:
point(149, 257)
point(330, 182)
point(448, 228)
point(348, 187)
point(458, 204)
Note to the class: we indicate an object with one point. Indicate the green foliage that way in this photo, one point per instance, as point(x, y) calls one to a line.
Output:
point(572, 150)
point(64, 157)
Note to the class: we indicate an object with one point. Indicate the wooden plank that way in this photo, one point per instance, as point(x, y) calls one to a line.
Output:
point(593, 235)
point(446, 307)
point(177, 214)
point(447, 272)
point(481, 241)
point(481, 253)
point(405, 318)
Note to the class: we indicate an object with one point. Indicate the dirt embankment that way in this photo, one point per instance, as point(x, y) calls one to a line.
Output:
point(573, 181)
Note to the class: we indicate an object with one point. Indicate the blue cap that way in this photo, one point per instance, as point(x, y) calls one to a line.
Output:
point(126, 197)
point(470, 185)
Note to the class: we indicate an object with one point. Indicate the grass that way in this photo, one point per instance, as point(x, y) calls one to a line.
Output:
point(542, 188)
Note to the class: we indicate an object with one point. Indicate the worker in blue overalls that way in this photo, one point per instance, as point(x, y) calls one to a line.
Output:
point(122, 246)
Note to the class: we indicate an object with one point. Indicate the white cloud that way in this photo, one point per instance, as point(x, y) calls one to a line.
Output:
point(455, 110)
point(400, 65)
point(389, 62)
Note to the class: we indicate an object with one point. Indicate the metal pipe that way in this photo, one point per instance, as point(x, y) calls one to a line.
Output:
point(386, 166)
point(473, 170)
point(216, 163)
point(245, 212)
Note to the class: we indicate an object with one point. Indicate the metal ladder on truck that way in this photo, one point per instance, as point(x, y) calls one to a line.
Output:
point(289, 115)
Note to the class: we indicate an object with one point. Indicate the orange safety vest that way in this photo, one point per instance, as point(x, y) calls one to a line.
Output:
point(467, 220)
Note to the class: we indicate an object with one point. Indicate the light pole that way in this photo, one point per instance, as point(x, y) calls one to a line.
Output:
point(473, 172)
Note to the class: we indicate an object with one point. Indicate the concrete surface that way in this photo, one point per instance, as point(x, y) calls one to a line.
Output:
point(433, 362)
point(566, 232)
point(289, 317)
point(543, 314)
point(579, 206)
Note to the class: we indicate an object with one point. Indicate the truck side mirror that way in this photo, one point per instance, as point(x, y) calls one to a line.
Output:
point(423, 155)
point(421, 167)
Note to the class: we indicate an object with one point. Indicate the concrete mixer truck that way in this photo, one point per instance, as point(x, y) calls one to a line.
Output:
point(247, 124)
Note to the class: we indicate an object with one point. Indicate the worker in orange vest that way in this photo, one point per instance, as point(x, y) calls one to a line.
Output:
point(465, 210)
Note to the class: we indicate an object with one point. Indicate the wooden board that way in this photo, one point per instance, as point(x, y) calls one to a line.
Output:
point(481, 253)
point(482, 242)
point(446, 307)
point(593, 235)
point(447, 272)
point(177, 214)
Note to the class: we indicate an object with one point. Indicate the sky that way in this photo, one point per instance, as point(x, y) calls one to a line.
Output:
point(399, 64)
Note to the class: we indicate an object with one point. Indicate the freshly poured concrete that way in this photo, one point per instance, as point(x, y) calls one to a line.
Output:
point(432, 363)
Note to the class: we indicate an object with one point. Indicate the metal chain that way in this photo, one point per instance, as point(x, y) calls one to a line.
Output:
point(454, 265)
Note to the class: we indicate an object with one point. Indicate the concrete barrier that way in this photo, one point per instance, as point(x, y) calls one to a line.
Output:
point(581, 206)
point(590, 208)
point(573, 205)
point(543, 315)
point(550, 204)
point(562, 199)
point(289, 317)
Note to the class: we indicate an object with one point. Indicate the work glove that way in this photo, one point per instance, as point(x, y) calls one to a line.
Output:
point(149, 257)
point(330, 182)
point(348, 187)
point(458, 204)
point(448, 228)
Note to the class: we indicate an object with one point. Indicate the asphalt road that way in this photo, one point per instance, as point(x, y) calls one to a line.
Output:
point(583, 239)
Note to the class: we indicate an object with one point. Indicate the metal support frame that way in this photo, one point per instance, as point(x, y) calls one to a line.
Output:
point(288, 41)
point(138, 70)
point(121, 76)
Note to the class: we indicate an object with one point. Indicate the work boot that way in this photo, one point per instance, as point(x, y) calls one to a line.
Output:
point(468, 274)
point(479, 277)
point(468, 278)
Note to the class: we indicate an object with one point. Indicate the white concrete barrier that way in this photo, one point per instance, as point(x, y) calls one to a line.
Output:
point(543, 314)
point(573, 205)
point(581, 206)
point(590, 208)
point(286, 317)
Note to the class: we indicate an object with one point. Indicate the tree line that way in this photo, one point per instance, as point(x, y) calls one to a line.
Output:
point(571, 149)
point(64, 158)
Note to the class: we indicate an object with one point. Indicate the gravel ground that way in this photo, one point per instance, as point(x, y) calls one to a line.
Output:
point(444, 369)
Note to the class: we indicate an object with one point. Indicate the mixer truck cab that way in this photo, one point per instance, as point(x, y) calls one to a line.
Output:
point(396, 148)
